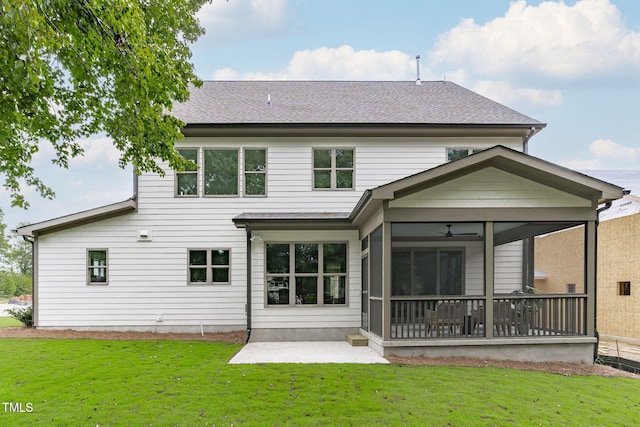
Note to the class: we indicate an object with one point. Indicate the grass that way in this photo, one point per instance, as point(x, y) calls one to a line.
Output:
point(6, 322)
point(170, 383)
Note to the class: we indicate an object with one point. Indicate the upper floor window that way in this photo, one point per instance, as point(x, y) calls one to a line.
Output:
point(209, 266)
point(459, 153)
point(333, 168)
point(220, 172)
point(255, 172)
point(97, 267)
point(624, 288)
point(187, 180)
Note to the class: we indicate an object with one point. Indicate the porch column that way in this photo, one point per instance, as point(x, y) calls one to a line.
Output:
point(488, 279)
point(386, 281)
point(590, 276)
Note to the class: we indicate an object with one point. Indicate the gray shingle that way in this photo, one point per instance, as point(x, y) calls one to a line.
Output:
point(343, 102)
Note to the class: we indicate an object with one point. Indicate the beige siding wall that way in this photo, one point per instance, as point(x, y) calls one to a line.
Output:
point(619, 261)
point(561, 258)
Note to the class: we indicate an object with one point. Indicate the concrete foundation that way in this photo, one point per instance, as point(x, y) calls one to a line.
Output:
point(301, 334)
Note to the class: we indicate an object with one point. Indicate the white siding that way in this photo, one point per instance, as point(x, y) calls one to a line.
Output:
point(148, 279)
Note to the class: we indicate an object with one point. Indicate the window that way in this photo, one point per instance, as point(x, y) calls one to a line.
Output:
point(209, 266)
point(306, 274)
point(187, 180)
point(427, 271)
point(255, 172)
point(571, 288)
point(221, 172)
point(459, 153)
point(624, 288)
point(333, 168)
point(97, 267)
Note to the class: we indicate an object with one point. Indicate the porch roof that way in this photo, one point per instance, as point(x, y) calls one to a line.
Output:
point(292, 220)
point(499, 157)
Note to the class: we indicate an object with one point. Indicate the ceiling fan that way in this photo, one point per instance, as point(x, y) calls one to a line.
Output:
point(449, 234)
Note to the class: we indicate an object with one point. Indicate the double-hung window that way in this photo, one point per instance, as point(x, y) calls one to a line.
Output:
point(333, 168)
point(97, 267)
point(209, 266)
point(255, 172)
point(306, 274)
point(187, 180)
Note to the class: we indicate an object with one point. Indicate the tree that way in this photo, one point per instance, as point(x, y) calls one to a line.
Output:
point(76, 68)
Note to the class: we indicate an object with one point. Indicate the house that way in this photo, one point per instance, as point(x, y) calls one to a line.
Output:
point(404, 212)
point(618, 271)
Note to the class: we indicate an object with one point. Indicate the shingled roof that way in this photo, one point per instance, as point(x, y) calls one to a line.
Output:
point(344, 102)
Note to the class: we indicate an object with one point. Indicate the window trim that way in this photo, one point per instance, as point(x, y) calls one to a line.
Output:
point(88, 267)
point(333, 169)
point(238, 171)
point(624, 288)
point(208, 266)
point(320, 275)
point(197, 173)
point(245, 172)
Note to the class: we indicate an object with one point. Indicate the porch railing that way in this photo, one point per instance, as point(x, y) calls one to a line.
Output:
point(466, 317)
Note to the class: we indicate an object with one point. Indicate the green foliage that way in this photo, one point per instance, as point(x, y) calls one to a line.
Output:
point(14, 284)
point(72, 69)
point(82, 382)
point(23, 314)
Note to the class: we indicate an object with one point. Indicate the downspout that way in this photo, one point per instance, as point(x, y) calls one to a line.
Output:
point(248, 305)
point(526, 138)
point(595, 281)
point(34, 294)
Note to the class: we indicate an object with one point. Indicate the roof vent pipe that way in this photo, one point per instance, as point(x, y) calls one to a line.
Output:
point(418, 70)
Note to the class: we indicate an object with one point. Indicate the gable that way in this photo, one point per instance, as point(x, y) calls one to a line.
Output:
point(489, 188)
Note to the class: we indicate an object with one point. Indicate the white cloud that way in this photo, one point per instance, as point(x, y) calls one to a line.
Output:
point(608, 155)
point(99, 152)
point(504, 93)
point(551, 40)
point(341, 63)
point(606, 148)
point(230, 22)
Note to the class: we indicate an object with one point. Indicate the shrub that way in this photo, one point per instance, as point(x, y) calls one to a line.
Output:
point(23, 314)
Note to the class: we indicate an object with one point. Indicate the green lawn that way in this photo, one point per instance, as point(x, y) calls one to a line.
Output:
point(170, 383)
point(6, 322)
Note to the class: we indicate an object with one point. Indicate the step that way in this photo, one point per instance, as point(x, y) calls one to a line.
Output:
point(357, 340)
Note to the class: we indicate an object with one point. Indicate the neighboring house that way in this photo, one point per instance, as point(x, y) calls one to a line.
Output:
point(402, 211)
point(618, 271)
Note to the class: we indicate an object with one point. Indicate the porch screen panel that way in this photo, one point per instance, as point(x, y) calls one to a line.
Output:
point(365, 293)
point(375, 252)
point(451, 270)
point(425, 272)
point(375, 319)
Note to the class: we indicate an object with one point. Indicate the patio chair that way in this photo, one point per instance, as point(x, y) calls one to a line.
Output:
point(504, 317)
point(446, 315)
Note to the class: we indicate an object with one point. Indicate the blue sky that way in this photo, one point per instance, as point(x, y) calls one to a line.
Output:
point(574, 65)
